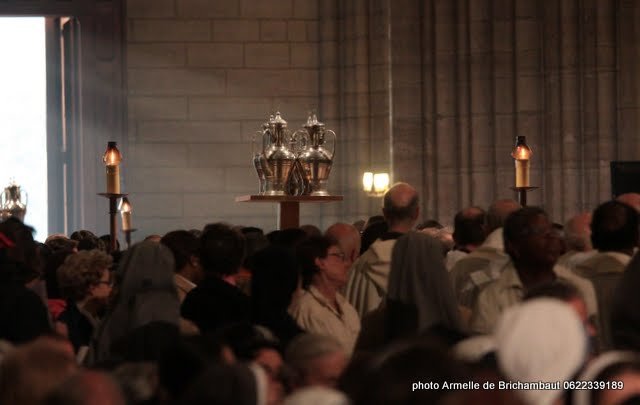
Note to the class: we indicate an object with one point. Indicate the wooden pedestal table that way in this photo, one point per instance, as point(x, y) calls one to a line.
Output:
point(289, 206)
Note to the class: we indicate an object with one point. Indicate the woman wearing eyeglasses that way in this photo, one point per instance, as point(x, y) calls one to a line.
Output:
point(321, 308)
point(85, 282)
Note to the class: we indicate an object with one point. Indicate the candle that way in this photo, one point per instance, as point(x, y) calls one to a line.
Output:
point(113, 179)
point(522, 173)
point(522, 154)
point(112, 159)
point(125, 212)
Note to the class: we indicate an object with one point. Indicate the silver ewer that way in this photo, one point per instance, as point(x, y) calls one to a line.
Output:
point(259, 144)
point(14, 202)
point(317, 155)
point(280, 159)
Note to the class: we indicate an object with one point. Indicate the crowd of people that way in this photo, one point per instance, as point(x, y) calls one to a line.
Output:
point(506, 306)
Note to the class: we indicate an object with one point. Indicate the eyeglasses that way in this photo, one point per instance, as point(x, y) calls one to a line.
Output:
point(339, 255)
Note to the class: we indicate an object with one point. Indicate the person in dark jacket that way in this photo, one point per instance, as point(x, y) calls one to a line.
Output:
point(216, 301)
point(274, 282)
point(23, 315)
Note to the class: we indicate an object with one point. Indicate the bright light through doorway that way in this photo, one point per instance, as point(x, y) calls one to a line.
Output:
point(23, 119)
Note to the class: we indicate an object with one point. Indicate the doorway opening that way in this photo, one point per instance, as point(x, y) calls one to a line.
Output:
point(23, 115)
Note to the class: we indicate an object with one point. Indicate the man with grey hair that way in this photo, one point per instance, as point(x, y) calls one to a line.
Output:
point(369, 275)
point(578, 241)
point(485, 263)
point(315, 360)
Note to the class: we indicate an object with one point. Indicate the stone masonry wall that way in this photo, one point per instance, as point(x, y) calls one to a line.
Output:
point(202, 78)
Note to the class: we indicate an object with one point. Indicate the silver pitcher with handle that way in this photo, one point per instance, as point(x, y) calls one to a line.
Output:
point(259, 143)
point(13, 203)
point(317, 154)
point(280, 159)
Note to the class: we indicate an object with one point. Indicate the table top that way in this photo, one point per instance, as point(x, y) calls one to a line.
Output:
point(289, 198)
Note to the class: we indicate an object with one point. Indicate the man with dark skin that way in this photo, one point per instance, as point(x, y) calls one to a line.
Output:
point(534, 248)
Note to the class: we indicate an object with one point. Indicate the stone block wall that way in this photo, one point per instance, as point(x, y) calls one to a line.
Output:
point(203, 75)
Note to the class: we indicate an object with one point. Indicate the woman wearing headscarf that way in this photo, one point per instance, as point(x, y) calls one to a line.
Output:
point(143, 318)
point(420, 296)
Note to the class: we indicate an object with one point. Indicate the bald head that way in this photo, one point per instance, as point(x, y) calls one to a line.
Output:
point(631, 199)
point(498, 213)
point(578, 232)
point(469, 228)
point(400, 207)
point(348, 239)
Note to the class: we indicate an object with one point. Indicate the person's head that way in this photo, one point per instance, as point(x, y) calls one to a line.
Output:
point(419, 293)
point(620, 371)
point(185, 360)
point(498, 213)
point(564, 291)
point(225, 384)
point(400, 207)
point(22, 254)
point(274, 279)
point(322, 261)
point(288, 238)
point(577, 232)
point(315, 360)
point(444, 235)
point(106, 240)
point(469, 228)
point(372, 232)
point(530, 240)
point(311, 230)
point(359, 224)
point(429, 223)
point(30, 372)
point(145, 294)
point(631, 199)
point(614, 227)
point(221, 250)
point(348, 238)
point(86, 275)
point(540, 340)
point(60, 243)
point(87, 240)
point(254, 241)
point(52, 263)
point(184, 246)
point(390, 378)
point(153, 238)
point(87, 387)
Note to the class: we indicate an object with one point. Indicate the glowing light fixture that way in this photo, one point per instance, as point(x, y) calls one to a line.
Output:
point(375, 184)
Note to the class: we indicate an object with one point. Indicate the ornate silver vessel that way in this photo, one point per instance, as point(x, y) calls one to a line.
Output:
point(259, 143)
point(14, 202)
point(280, 159)
point(317, 154)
